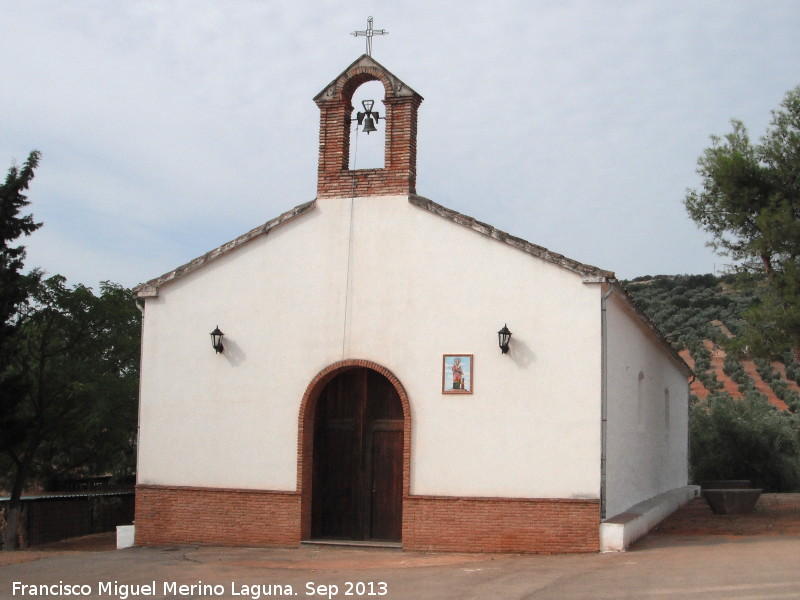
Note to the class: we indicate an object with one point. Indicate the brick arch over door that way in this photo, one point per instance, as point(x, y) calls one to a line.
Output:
point(305, 442)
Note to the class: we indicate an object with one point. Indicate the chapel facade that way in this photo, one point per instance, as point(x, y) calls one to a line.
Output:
point(359, 393)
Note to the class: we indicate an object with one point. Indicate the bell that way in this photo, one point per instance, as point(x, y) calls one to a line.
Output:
point(369, 125)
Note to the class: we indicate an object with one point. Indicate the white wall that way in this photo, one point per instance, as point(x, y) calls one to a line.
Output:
point(647, 442)
point(230, 420)
point(406, 287)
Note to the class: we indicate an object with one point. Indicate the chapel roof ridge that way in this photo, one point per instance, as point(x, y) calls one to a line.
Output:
point(589, 273)
point(150, 288)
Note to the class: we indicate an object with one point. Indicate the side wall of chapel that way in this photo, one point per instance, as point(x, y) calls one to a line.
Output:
point(648, 414)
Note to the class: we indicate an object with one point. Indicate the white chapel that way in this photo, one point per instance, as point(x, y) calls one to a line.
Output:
point(359, 392)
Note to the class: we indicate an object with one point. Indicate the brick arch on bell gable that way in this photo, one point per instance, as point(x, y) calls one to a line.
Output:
point(363, 75)
point(362, 70)
point(305, 435)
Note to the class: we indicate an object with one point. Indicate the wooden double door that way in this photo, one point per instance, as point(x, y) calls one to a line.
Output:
point(357, 490)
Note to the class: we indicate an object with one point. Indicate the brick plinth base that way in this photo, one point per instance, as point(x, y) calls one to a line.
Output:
point(545, 526)
point(228, 517)
point(218, 517)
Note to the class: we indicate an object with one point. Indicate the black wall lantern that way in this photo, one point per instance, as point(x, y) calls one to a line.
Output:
point(503, 337)
point(216, 340)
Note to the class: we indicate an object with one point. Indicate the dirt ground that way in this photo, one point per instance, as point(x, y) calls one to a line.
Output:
point(693, 554)
point(88, 543)
point(775, 514)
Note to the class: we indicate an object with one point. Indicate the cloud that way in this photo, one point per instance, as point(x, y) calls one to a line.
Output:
point(169, 128)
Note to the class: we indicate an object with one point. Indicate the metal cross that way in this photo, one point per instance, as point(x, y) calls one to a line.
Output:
point(369, 33)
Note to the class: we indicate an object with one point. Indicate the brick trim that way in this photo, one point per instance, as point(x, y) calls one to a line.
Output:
point(459, 524)
point(216, 516)
point(167, 515)
point(399, 175)
point(305, 434)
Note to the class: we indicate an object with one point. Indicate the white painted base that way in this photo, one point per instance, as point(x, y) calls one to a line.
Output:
point(620, 531)
point(125, 535)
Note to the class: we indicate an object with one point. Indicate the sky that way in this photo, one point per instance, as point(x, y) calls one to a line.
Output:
point(168, 128)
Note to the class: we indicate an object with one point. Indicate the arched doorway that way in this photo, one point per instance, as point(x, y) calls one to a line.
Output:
point(358, 448)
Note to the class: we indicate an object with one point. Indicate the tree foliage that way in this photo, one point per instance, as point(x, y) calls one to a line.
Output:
point(750, 204)
point(744, 439)
point(12, 256)
point(683, 306)
point(741, 437)
point(68, 367)
point(12, 226)
point(77, 356)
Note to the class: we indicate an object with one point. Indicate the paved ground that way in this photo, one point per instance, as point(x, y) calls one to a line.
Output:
point(674, 562)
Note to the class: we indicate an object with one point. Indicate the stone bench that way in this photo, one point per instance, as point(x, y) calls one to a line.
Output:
point(732, 501)
point(620, 531)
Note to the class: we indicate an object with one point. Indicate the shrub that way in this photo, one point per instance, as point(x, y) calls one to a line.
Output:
point(745, 439)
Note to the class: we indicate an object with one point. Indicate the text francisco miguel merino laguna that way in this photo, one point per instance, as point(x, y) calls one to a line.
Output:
point(252, 591)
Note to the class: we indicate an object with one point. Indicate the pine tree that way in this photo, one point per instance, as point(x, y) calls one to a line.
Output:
point(13, 292)
point(12, 226)
point(750, 204)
